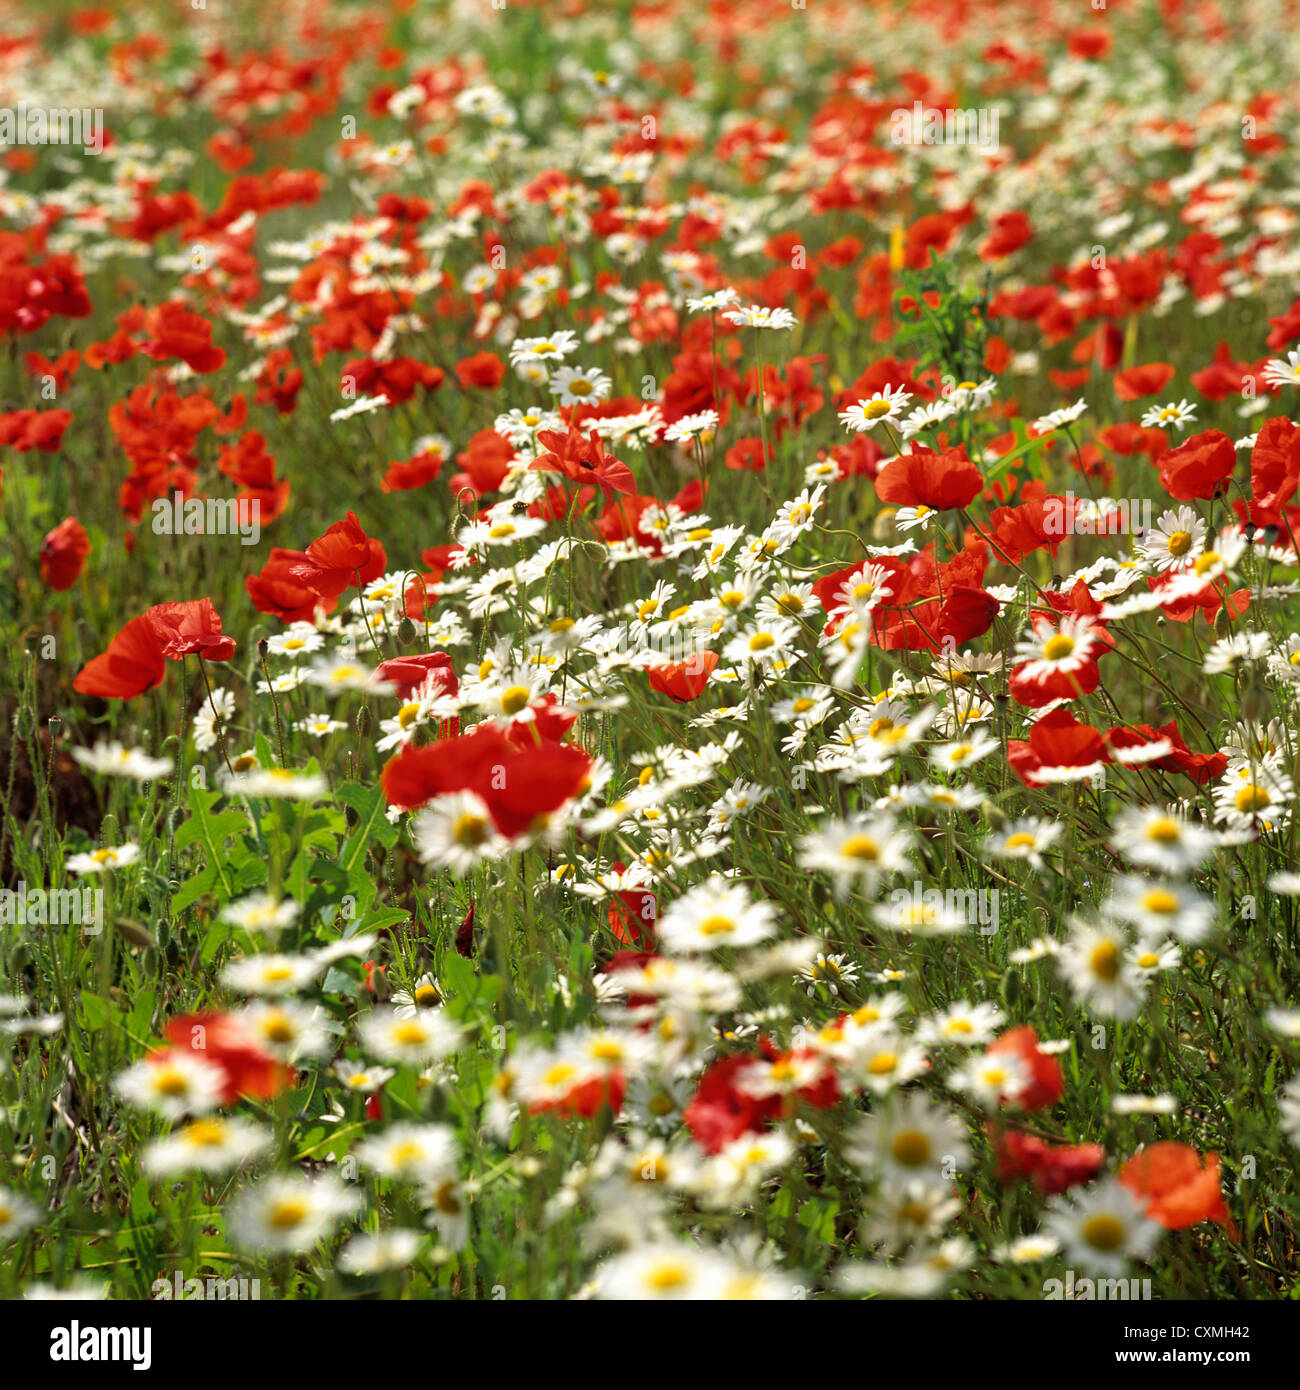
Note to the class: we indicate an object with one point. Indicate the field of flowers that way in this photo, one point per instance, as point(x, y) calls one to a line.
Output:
point(651, 649)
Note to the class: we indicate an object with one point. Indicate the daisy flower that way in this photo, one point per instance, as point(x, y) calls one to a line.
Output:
point(117, 760)
point(289, 1214)
point(410, 1152)
point(271, 973)
point(715, 914)
point(16, 1214)
point(106, 860)
point(456, 832)
point(1175, 540)
point(211, 1144)
point(428, 1037)
point(908, 1139)
point(1102, 1228)
point(1280, 372)
point(174, 1083)
point(857, 852)
point(1026, 838)
point(1094, 961)
point(881, 407)
point(1160, 909)
point(260, 912)
point(1157, 838)
point(1170, 416)
point(579, 385)
point(760, 316)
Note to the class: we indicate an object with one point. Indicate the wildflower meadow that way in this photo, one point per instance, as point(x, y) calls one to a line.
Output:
point(651, 651)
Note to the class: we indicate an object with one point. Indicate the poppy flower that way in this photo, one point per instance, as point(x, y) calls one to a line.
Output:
point(340, 558)
point(748, 455)
point(278, 591)
point(583, 458)
point(484, 370)
point(1058, 739)
point(1053, 1168)
point(135, 658)
point(223, 1040)
point(1275, 464)
point(175, 331)
point(942, 482)
point(1179, 1186)
point(1011, 231)
point(633, 913)
point(1046, 1084)
point(25, 430)
point(721, 1111)
point(63, 554)
point(191, 628)
point(683, 681)
point(520, 786)
point(1198, 468)
point(1135, 382)
point(406, 674)
point(132, 664)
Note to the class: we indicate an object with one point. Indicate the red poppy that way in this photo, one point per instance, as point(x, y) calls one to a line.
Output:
point(484, 370)
point(175, 331)
point(1275, 465)
point(1057, 739)
point(227, 1043)
point(1199, 467)
point(721, 1111)
point(25, 430)
point(748, 455)
point(583, 458)
point(1011, 231)
point(135, 658)
point(132, 664)
point(1046, 1085)
point(1053, 1167)
point(943, 482)
point(683, 681)
point(1179, 1186)
point(1135, 382)
point(520, 786)
point(63, 554)
point(191, 628)
point(343, 556)
point(1200, 767)
point(278, 590)
point(406, 674)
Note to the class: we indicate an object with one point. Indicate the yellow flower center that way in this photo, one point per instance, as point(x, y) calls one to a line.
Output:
point(1104, 1232)
point(515, 698)
point(1252, 798)
point(1058, 648)
point(288, 1213)
point(862, 848)
point(1104, 961)
point(717, 926)
point(469, 830)
point(1180, 542)
point(910, 1148)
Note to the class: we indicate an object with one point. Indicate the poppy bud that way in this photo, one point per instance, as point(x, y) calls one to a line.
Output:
point(406, 633)
point(1011, 989)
